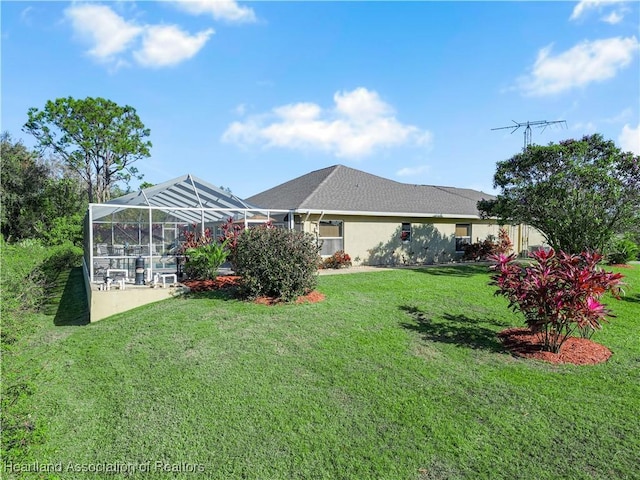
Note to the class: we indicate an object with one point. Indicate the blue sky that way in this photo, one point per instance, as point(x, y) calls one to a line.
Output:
point(251, 94)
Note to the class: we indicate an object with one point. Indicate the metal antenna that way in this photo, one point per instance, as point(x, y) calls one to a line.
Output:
point(527, 130)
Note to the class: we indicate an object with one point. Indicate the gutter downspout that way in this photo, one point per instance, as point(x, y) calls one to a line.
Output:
point(519, 238)
point(318, 230)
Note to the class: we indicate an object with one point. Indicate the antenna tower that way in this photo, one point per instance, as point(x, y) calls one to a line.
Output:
point(527, 128)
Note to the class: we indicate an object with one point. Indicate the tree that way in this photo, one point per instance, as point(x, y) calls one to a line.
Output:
point(23, 181)
point(579, 194)
point(97, 139)
point(63, 207)
point(38, 200)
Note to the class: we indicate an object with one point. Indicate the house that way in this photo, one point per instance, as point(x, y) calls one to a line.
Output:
point(378, 221)
point(133, 240)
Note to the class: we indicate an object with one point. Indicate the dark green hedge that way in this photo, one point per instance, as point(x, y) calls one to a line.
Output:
point(277, 263)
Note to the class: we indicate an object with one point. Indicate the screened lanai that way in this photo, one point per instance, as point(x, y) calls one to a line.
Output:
point(152, 224)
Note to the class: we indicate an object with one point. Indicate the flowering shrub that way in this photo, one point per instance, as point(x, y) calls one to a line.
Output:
point(275, 262)
point(337, 260)
point(558, 293)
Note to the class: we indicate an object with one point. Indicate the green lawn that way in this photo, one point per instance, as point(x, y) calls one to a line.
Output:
point(396, 375)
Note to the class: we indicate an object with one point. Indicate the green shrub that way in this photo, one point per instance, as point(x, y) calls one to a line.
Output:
point(62, 230)
point(204, 261)
point(622, 250)
point(275, 262)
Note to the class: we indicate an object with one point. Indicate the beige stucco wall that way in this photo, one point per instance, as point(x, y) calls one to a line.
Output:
point(525, 238)
point(376, 240)
point(104, 303)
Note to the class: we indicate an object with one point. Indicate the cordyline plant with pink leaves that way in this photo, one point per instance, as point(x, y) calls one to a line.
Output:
point(558, 293)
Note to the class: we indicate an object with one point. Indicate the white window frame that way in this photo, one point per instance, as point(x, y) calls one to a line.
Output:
point(340, 238)
point(462, 238)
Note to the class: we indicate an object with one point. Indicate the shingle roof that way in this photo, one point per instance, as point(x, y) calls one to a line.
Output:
point(340, 188)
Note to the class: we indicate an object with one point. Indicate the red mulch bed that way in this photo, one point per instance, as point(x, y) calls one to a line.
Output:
point(313, 297)
point(230, 281)
point(207, 285)
point(578, 351)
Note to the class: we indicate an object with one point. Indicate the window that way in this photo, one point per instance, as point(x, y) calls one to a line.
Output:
point(330, 236)
point(405, 234)
point(463, 236)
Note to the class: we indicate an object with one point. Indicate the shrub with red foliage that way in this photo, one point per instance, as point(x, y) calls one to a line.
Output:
point(504, 244)
point(340, 259)
point(557, 293)
point(231, 231)
point(482, 250)
point(193, 239)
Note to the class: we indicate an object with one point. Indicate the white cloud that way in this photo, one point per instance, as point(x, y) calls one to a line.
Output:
point(361, 105)
point(579, 66)
point(115, 40)
point(413, 171)
point(166, 45)
point(228, 10)
point(584, 6)
point(613, 18)
point(358, 124)
point(629, 139)
point(107, 32)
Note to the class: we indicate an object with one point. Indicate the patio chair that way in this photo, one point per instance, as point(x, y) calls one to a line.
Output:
point(116, 249)
point(102, 250)
point(101, 265)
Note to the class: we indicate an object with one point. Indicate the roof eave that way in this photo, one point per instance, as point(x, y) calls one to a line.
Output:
point(313, 211)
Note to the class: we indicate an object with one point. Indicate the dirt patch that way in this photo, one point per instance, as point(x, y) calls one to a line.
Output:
point(578, 351)
point(230, 281)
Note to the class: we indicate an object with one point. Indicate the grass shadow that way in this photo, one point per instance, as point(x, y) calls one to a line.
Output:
point(454, 270)
point(68, 299)
point(631, 298)
point(459, 330)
